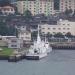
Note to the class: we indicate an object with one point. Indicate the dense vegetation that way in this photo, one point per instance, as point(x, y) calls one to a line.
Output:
point(6, 30)
point(56, 4)
point(4, 2)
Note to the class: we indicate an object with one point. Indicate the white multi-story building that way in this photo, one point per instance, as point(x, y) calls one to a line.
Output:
point(36, 6)
point(15, 43)
point(24, 34)
point(63, 26)
point(66, 4)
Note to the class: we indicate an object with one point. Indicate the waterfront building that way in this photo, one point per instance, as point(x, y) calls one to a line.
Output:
point(66, 4)
point(4, 40)
point(36, 6)
point(15, 43)
point(3, 43)
point(62, 26)
point(24, 34)
point(7, 9)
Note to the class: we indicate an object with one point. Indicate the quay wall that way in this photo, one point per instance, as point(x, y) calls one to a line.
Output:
point(60, 46)
point(3, 57)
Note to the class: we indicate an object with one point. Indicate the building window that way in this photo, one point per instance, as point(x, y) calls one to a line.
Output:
point(43, 32)
point(27, 37)
point(63, 32)
point(13, 41)
point(68, 24)
point(54, 28)
point(11, 9)
point(68, 28)
point(43, 28)
point(54, 33)
point(64, 28)
point(48, 28)
point(0, 38)
point(63, 24)
point(48, 33)
point(59, 28)
point(13, 45)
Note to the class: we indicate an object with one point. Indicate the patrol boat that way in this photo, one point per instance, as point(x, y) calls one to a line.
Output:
point(39, 49)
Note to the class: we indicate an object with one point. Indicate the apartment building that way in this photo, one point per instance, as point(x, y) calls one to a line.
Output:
point(66, 4)
point(36, 6)
point(62, 26)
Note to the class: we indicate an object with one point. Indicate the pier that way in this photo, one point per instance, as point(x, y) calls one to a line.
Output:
point(17, 56)
point(63, 46)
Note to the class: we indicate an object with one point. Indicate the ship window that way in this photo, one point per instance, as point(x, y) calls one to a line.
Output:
point(35, 51)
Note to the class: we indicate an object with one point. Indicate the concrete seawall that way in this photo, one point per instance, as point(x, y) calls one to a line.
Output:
point(16, 58)
point(63, 46)
point(3, 57)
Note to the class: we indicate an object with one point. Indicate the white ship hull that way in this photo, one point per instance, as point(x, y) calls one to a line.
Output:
point(49, 50)
point(35, 56)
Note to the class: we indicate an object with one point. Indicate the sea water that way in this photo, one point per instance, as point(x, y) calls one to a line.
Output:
point(58, 62)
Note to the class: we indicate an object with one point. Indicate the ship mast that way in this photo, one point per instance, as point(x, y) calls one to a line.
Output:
point(38, 36)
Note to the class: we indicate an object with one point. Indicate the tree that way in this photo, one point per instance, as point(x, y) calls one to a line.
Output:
point(7, 30)
point(59, 35)
point(3, 28)
point(34, 35)
point(1, 12)
point(4, 2)
point(73, 14)
point(27, 14)
point(49, 35)
point(56, 4)
point(16, 11)
point(68, 12)
point(68, 35)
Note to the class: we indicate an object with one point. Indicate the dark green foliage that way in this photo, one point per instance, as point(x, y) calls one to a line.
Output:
point(4, 2)
point(56, 4)
point(68, 12)
point(68, 35)
point(74, 14)
point(27, 14)
point(49, 35)
point(7, 30)
point(59, 35)
point(34, 34)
